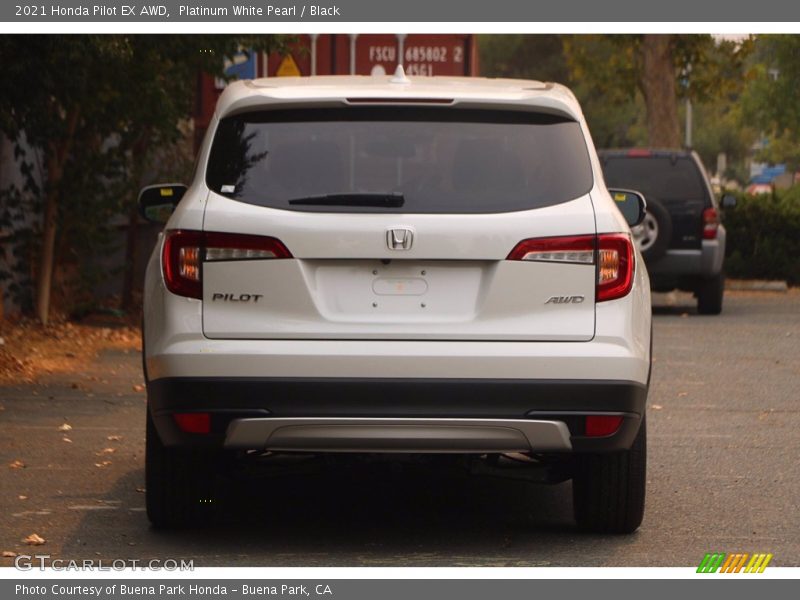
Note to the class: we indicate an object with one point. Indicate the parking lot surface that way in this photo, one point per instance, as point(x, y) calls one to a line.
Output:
point(723, 423)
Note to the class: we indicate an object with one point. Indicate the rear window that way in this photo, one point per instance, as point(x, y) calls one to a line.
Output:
point(662, 177)
point(424, 160)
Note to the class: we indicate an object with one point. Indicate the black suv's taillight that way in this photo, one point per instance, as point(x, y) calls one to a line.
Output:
point(710, 223)
point(185, 251)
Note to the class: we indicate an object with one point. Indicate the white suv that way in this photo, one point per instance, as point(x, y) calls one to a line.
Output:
point(394, 265)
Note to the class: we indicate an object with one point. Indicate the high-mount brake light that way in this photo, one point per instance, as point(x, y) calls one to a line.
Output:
point(185, 251)
point(612, 251)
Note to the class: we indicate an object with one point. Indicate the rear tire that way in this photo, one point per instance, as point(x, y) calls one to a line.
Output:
point(179, 483)
point(608, 490)
point(709, 295)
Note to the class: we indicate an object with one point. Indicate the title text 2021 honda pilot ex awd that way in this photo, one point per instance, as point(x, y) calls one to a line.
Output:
point(393, 265)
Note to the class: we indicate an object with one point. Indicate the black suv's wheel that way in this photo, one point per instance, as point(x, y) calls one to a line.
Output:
point(709, 295)
point(653, 235)
point(179, 483)
point(608, 490)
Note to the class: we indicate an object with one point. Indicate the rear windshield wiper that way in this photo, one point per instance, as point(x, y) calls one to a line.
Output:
point(355, 199)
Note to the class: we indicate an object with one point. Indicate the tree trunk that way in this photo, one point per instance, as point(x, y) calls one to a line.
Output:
point(45, 274)
point(139, 159)
point(658, 88)
point(131, 257)
point(57, 154)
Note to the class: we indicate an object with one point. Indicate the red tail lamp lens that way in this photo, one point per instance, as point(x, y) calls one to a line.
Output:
point(185, 251)
point(615, 268)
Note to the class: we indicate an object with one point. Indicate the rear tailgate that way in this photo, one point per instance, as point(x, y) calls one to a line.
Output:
point(344, 282)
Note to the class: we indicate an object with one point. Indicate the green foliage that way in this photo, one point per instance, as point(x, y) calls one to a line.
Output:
point(539, 57)
point(720, 127)
point(605, 72)
point(764, 236)
point(771, 99)
point(102, 112)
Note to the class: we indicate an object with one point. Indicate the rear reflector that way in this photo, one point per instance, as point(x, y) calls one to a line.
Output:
point(639, 152)
point(197, 422)
point(601, 425)
point(614, 252)
point(185, 251)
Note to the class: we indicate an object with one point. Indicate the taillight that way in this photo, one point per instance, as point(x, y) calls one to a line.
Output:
point(614, 266)
point(574, 249)
point(710, 223)
point(612, 251)
point(186, 251)
point(181, 262)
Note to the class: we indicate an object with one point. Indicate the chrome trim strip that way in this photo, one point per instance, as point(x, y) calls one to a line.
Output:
point(409, 435)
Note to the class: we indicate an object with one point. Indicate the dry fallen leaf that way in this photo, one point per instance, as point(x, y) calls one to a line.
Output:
point(656, 407)
point(141, 490)
point(8, 554)
point(138, 388)
point(16, 464)
point(66, 439)
point(22, 497)
point(100, 465)
point(114, 438)
point(682, 394)
point(106, 451)
point(34, 540)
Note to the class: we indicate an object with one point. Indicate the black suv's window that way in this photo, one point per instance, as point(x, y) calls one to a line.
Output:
point(663, 177)
point(399, 159)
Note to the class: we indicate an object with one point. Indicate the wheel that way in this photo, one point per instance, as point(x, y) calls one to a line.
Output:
point(608, 490)
point(709, 295)
point(653, 235)
point(179, 483)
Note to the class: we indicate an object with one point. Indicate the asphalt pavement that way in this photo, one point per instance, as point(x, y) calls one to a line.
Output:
point(723, 476)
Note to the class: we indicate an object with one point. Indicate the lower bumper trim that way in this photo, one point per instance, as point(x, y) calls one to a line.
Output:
point(398, 435)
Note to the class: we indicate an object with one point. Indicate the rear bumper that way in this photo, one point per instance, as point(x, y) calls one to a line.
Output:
point(704, 262)
point(397, 415)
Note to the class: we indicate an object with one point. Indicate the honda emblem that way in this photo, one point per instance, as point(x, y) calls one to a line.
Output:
point(399, 239)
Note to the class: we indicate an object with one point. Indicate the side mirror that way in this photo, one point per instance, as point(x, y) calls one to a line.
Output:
point(631, 204)
point(728, 201)
point(157, 202)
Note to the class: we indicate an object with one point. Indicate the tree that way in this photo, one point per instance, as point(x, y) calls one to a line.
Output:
point(99, 98)
point(656, 80)
point(662, 69)
point(539, 57)
point(770, 100)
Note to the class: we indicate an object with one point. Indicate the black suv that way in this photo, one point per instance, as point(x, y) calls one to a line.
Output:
point(681, 238)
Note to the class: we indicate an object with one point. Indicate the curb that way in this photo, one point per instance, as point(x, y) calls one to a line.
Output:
point(757, 285)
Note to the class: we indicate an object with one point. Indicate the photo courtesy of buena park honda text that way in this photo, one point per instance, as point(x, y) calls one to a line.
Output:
point(417, 299)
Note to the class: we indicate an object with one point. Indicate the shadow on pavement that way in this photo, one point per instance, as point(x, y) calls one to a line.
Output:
point(370, 514)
